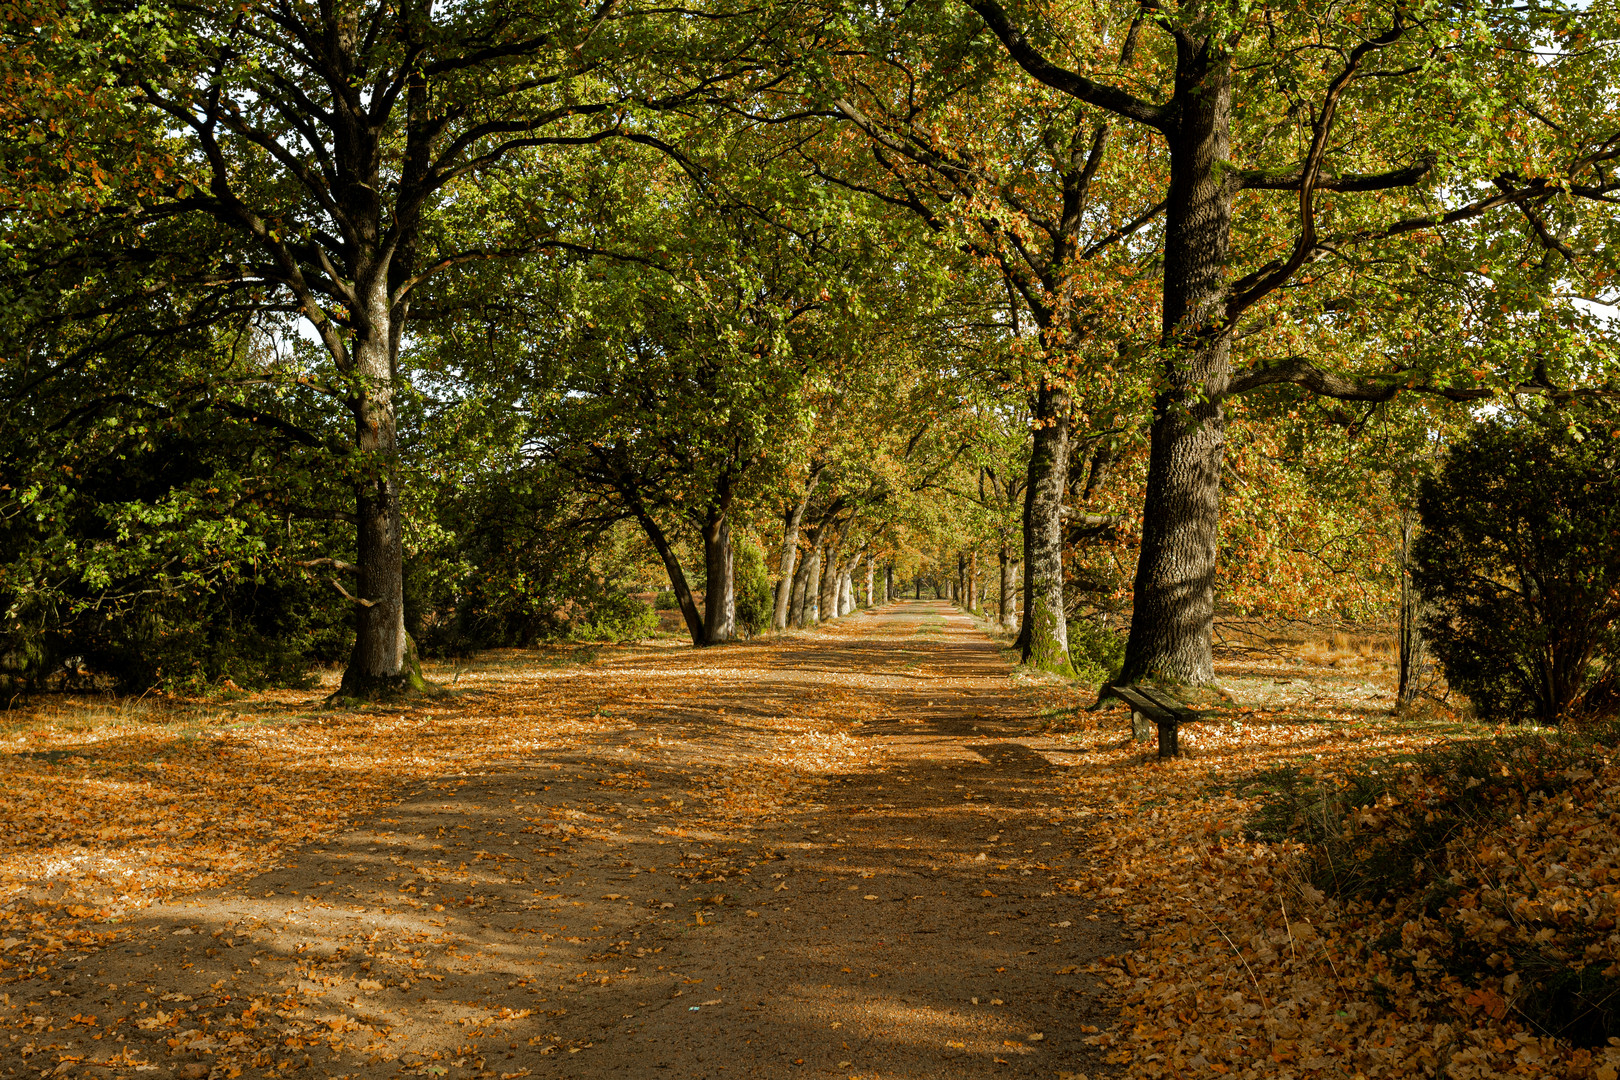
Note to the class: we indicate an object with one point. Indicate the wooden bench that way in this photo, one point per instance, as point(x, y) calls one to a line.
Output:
point(1165, 712)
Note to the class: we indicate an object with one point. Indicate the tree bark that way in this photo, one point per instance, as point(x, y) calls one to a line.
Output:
point(1173, 606)
point(383, 661)
point(1005, 604)
point(805, 602)
point(1044, 638)
point(800, 582)
point(888, 583)
point(871, 570)
point(720, 598)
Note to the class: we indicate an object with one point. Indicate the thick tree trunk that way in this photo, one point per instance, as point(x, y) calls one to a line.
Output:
point(807, 609)
point(1044, 639)
point(871, 571)
point(1173, 607)
point(851, 598)
point(801, 580)
point(720, 598)
point(677, 576)
point(383, 661)
point(888, 583)
point(846, 592)
point(783, 602)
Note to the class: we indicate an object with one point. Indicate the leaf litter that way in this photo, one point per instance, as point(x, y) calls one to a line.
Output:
point(1235, 966)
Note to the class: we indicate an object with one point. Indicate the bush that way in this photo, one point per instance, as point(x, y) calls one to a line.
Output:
point(1519, 562)
point(755, 596)
point(1096, 652)
point(665, 601)
point(1485, 860)
point(612, 615)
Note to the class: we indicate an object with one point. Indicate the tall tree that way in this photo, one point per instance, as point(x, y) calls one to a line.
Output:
point(1375, 123)
point(1043, 203)
point(332, 139)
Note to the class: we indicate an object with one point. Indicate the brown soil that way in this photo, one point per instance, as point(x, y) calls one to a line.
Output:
point(838, 853)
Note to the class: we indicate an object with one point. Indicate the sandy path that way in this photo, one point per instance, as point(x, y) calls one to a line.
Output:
point(833, 854)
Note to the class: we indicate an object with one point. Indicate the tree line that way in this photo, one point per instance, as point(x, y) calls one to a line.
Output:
point(333, 330)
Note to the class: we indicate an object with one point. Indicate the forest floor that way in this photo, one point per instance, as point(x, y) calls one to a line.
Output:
point(873, 849)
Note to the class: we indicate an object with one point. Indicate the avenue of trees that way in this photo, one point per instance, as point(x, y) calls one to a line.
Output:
point(335, 332)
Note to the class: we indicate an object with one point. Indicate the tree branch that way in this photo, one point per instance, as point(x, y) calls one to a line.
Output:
point(1040, 68)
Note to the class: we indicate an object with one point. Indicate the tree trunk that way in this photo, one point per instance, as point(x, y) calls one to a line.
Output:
point(790, 553)
point(1173, 606)
point(801, 580)
point(851, 600)
point(783, 598)
point(812, 585)
point(1004, 599)
point(720, 599)
point(1411, 633)
point(888, 583)
point(677, 576)
point(383, 661)
point(871, 570)
point(1044, 639)
point(827, 595)
point(846, 592)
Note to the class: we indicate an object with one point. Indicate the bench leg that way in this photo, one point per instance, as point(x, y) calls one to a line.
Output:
point(1167, 739)
point(1141, 727)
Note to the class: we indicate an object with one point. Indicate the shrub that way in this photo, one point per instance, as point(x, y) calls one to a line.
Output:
point(612, 615)
point(1519, 562)
point(755, 596)
point(1096, 652)
point(665, 600)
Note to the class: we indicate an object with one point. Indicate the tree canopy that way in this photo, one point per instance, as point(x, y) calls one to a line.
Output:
point(364, 328)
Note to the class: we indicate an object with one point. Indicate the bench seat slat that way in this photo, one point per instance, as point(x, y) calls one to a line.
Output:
point(1166, 715)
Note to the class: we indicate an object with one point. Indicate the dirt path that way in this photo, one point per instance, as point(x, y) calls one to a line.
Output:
point(836, 854)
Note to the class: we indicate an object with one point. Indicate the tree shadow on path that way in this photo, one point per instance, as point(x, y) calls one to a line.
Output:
point(893, 906)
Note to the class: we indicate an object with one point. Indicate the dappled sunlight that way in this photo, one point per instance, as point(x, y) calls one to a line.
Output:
point(783, 854)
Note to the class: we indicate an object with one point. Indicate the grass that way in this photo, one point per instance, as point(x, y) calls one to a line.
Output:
point(84, 714)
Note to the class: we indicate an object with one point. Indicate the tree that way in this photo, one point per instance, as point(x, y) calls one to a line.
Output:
point(337, 142)
point(1403, 121)
point(1031, 194)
